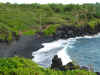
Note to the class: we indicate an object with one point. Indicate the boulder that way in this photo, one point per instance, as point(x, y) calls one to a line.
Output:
point(70, 66)
point(56, 63)
point(98, 73)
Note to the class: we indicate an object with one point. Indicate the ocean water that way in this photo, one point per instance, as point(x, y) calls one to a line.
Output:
point(84, 51)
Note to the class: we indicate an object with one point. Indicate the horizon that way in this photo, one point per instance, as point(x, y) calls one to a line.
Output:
point(50, 1)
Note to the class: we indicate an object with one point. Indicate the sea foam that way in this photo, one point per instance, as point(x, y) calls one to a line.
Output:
point(44, 55)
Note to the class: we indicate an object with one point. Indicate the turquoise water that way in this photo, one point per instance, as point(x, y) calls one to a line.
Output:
point(85, 52)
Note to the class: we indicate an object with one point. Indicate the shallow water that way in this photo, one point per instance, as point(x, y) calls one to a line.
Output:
point(84, 51)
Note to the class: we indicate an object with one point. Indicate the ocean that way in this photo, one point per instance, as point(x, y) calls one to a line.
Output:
point(83, 51)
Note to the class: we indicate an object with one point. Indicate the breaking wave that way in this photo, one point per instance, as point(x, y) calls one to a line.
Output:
point(44, 55)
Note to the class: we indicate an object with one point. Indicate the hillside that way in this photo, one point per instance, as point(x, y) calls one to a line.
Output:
point(28, 19)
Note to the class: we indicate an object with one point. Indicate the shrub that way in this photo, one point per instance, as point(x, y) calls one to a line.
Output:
point(50, 29)
point(23, 66)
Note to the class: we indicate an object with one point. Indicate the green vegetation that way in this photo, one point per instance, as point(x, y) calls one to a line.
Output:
point(27, 19)
point(32, 18)
point(22, 66)
point(50, 29)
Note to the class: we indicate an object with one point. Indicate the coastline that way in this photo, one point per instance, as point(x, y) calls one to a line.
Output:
point(44, 56)
point(28, 44)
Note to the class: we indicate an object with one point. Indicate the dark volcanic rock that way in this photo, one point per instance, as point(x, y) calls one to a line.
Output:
point(97, 28)
point(70, 66)
point(56, 63)
point(73, 31)
point(27, 44)
point(86, 30)
point(66, 32)
point(98, 73)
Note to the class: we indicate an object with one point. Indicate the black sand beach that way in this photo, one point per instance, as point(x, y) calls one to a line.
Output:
point(28, 44)
point(23, 47)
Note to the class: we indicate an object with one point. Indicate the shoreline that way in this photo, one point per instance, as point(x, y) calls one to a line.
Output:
point(44, 56)
point(28, 44)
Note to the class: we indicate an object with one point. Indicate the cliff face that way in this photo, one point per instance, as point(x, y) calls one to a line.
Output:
point(28, 44)
point(73, 31)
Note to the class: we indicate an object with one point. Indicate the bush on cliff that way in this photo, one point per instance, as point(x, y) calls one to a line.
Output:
point(51, 29)
point(22, 66)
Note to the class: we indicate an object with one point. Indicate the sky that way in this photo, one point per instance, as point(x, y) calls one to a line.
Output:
point(51, 1)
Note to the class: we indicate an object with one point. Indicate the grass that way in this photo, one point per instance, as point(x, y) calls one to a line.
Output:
point(28, 18)
point(23, 66)
point(51, 29)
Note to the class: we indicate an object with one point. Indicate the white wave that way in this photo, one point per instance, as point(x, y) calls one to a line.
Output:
point(63, 53)
point(94, 36)
point(44, 55)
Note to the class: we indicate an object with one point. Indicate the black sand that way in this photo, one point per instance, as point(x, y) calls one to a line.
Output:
point(23, 47)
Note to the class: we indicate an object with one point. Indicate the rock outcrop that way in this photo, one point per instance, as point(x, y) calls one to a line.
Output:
point(56, 63)
point(73, 31)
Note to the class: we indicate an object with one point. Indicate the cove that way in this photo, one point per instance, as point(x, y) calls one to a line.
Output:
point(82, 50)
point(86, 51)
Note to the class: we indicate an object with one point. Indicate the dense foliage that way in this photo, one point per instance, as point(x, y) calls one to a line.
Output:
point(32, 18)
point(22, 66)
